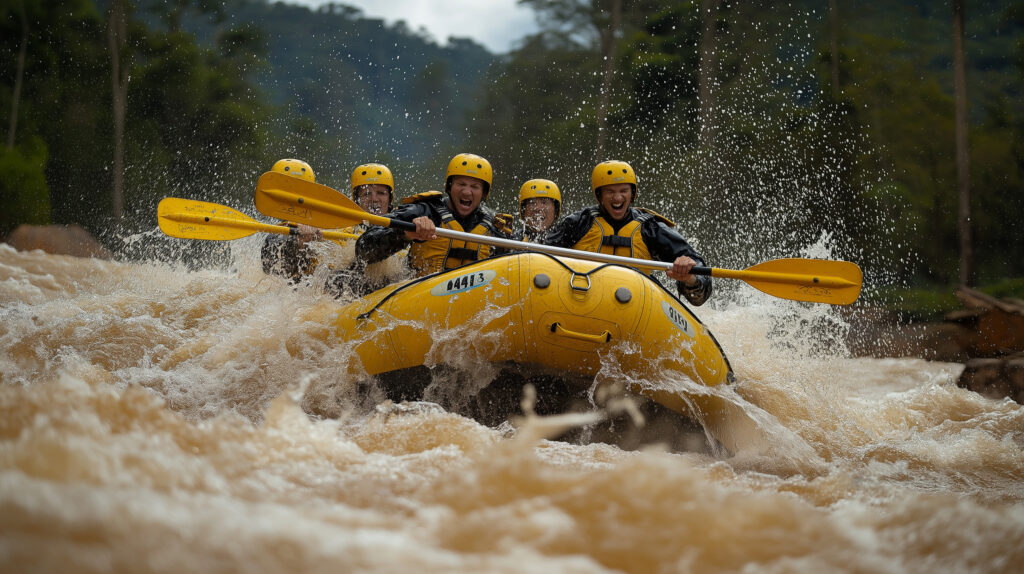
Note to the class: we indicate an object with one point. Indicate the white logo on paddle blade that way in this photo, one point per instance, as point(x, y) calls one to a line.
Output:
point(464, 282)
point(678, 319)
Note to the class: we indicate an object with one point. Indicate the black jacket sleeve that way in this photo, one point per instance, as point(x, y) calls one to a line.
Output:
point(379, 243)
point(568, 231)
point(666, 244)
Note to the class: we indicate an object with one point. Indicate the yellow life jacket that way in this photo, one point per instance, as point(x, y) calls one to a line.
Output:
point(444, 253)
point(356, 230)
point(628, 242)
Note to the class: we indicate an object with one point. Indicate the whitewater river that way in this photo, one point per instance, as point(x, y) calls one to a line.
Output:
point(156, 419)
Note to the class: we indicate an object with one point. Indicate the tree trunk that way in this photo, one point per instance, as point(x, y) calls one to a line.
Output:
point(609, 38)
point(116, 36)
point(708, 72)
point(963, 177)
point(833, 35)
point(174, 15)
point(16, 95)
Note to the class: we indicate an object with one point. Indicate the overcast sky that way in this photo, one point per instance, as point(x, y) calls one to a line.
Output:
point(497, 26)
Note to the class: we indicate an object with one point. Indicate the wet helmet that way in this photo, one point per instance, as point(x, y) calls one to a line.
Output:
point(612, 172)
point(294, 167)
point(471, 165)
point(373, 173)
point(540, 188)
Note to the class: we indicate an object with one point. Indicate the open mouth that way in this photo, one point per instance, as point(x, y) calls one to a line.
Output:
point(466, 203)
point(618, 206)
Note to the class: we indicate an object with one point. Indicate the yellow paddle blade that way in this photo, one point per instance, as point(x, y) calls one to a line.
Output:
point(293, 199)
point(812, 280)
point(190, 219)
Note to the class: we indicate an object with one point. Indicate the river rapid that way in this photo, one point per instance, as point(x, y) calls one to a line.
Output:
point(159, 419)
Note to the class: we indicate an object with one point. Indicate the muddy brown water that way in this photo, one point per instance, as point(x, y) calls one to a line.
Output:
point(155, 419)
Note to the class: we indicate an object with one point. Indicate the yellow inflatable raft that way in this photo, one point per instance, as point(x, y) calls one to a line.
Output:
point(556, 314)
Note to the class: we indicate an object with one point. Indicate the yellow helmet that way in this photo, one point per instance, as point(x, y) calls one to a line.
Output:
point(470, 165)
point(294, 167)
point(540, 188)
point(373, 173)
point(611, 172)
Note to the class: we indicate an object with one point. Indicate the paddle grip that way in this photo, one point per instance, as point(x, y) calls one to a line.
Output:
point(403, 225)
point(701, 271)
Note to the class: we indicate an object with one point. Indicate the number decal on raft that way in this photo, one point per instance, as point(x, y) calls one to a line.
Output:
point(678, 319)
point(464, 282)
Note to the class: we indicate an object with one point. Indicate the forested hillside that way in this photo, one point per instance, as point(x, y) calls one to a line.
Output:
point(373, 90)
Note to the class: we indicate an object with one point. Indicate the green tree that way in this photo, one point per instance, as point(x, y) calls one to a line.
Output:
point(60, 103)
point(194, 117)
point(193, 120)
point(172, 12)
point(538, 118)
point(23, 186)
point(19, 77)
point(963, 162)
point(120, 66)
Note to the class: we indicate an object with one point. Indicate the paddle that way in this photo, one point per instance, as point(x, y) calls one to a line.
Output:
point(189, 219)
point(812, 280)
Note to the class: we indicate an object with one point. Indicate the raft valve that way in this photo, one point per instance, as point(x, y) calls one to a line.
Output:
point(622, 295)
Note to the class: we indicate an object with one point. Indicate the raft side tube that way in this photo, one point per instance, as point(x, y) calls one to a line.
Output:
point(559, 314)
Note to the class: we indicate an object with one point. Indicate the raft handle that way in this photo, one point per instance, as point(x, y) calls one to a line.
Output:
point(572, 281)
point(558, 329)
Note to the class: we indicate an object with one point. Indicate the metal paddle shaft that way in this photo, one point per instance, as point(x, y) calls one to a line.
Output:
point(812, 280)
